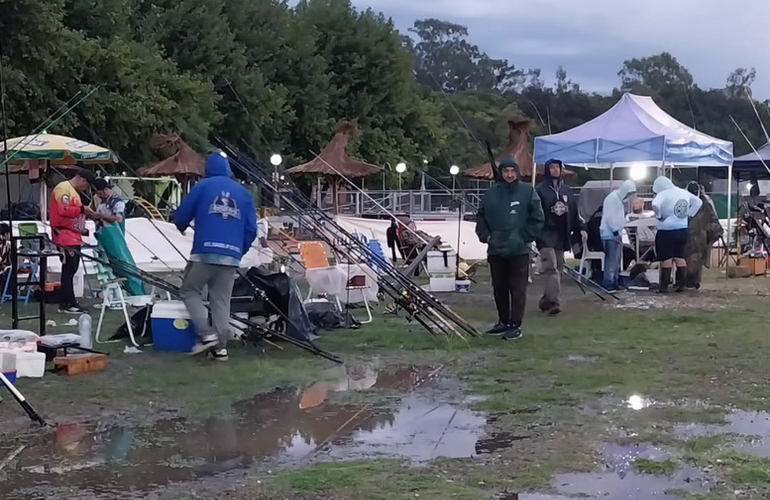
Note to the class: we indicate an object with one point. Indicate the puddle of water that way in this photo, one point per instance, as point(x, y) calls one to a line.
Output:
point(269, 427)
point(618, 480)
point(497, 442)
point(631, 486)
point(755, 424)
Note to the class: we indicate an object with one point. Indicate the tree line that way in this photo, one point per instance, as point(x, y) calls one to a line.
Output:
point(272, 77)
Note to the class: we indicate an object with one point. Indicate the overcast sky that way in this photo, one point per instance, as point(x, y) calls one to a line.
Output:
point(592, 38)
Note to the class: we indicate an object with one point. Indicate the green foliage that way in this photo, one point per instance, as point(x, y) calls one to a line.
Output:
point(281, 76)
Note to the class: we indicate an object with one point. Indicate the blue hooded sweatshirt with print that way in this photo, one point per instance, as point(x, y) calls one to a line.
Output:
point(223, 211)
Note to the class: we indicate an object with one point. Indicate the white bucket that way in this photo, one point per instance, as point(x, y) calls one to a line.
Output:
point(463, 286)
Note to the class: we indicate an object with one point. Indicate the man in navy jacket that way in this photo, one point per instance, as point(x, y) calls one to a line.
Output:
point(225, 227)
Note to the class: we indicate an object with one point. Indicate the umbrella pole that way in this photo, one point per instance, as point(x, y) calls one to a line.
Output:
point(44, 194)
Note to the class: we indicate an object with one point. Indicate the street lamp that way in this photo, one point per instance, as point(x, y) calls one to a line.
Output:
point(400, 168)
point(454, 170)
point(276, 159)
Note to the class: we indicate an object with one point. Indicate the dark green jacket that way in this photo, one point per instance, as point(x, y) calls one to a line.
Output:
point(510, 217)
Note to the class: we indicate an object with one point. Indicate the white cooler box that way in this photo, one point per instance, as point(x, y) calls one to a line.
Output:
point(439, 262)
point(30, 364)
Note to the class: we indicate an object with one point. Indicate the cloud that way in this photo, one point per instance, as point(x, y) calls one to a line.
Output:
point(592, 38)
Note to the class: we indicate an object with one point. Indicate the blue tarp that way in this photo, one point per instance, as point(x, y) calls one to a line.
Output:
point(635, 130)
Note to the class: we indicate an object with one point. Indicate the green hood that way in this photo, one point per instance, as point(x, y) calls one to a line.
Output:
point(508, 162)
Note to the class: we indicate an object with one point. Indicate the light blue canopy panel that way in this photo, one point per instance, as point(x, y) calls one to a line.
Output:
point(635, 130)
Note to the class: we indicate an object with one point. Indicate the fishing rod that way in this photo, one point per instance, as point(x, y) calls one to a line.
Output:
point(17, 395)
point(355, 242)
point(406, 281)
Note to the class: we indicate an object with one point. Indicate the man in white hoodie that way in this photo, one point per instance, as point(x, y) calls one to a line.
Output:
point(613, 221)
point(673, 207)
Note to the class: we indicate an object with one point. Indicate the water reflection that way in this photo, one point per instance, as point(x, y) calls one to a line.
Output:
point(275, 426)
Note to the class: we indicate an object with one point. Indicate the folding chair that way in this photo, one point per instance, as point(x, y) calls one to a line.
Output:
point(113, 297)
point(313, 257)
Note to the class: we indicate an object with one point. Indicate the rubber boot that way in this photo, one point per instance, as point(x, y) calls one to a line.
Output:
point(681, 279)
point(665, 279)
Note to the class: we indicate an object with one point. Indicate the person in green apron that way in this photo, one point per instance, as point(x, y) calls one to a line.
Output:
point(111, 231)
point(112, 208)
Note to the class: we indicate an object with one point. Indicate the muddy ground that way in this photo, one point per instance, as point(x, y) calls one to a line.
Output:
point(646, 397)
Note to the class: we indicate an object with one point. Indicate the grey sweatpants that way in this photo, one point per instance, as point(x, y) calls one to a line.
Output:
point(553, 265)
point(219, 280)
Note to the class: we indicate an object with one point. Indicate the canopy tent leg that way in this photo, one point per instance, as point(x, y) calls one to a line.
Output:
point(729, 218)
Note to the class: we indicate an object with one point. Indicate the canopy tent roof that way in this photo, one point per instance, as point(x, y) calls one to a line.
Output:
point(57, 149)
point(749, 165)
point(518, 147)
point(334, 155)
point(183, 162)
point(635, 130)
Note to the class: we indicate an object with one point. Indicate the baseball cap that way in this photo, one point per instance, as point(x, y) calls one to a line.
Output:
point(101, 183)
point(87, 175)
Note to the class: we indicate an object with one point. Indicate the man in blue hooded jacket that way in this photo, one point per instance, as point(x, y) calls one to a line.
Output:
point(225, 228)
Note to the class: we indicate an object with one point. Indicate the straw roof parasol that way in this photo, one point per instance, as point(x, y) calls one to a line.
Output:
point(183, 162)
point(334, 154)
point(518, 147)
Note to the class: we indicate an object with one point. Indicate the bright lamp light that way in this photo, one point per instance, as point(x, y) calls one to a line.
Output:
point(638, 172)
point(276, 159)
point(454, 170)
point(401, 168)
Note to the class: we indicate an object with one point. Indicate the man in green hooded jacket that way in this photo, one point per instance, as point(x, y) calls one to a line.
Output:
point(509, 219)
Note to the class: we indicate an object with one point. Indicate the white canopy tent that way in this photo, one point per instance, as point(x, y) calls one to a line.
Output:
point(635, 131)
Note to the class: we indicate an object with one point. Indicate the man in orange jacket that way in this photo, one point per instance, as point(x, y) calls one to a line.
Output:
point(68, 225)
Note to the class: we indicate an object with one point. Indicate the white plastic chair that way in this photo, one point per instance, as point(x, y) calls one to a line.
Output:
point(113, 298)
point(588, 257)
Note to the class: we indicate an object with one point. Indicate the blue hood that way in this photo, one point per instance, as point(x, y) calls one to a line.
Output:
point(218, 166)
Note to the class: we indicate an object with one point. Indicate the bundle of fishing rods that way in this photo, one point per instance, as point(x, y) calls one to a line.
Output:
point(419, 305)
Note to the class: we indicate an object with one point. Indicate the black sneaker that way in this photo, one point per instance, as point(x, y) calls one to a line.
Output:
point(513, 333)
point(554, 311)
point(498, 329)
point(71, 310)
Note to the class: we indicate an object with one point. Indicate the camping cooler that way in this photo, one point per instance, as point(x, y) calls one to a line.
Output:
point(172, 329)
point(30, 364)
point(442, 263)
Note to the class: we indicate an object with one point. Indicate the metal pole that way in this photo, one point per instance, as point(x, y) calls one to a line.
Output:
point(729, 217)
point(459, 228)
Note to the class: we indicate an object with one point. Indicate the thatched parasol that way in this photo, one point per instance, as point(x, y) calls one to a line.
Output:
point(183, 162)
point(518, 146)
point(333, 162)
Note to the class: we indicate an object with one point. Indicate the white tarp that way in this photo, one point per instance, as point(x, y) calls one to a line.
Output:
point(470, 246)
point(148, 242)
point(635, 130)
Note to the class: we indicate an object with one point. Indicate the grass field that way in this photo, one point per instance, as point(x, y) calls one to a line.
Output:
point(631, 374)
